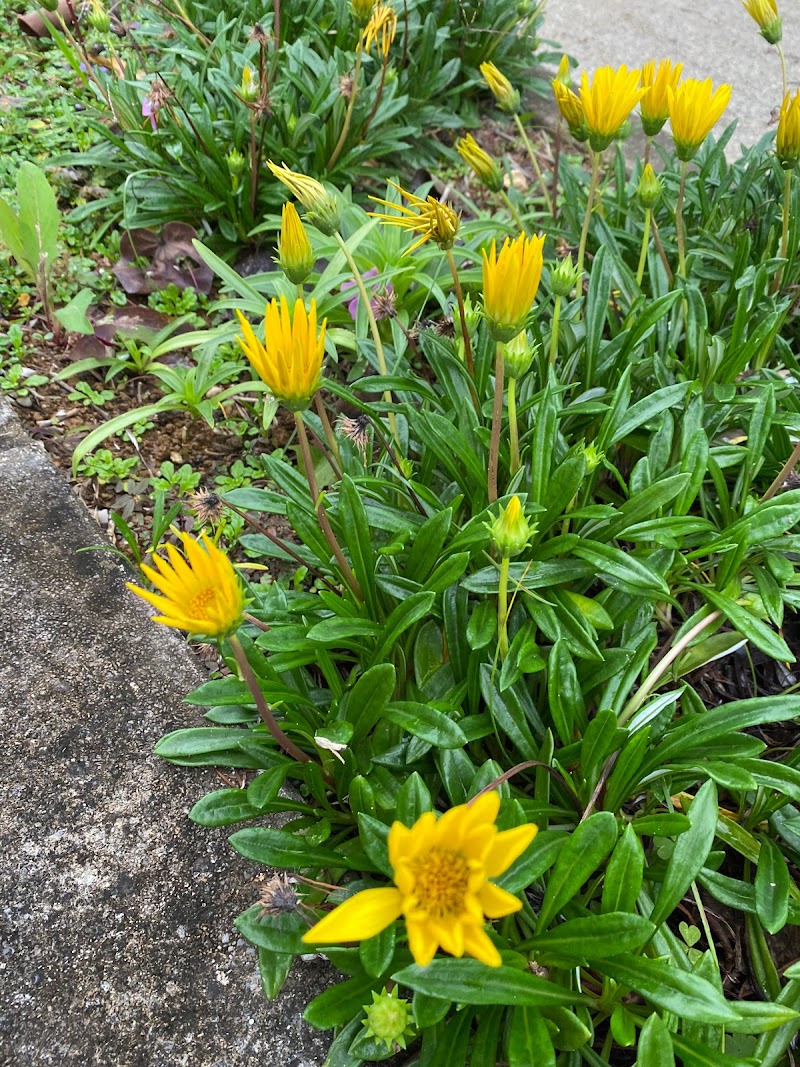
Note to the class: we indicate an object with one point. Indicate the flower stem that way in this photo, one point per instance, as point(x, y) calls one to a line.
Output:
point(535, 162)
point(513, 432)
point(502, 609)
point(783, 473)
point(515, 215)
point(589, 209)
point(253, 164)
point(330, 436)
point(662, 255)
point(497, 420)
point(264, 710)
point(787, 208)
point(276, 26)
point(779, 46)
point(378, 97)
point(556, 164)
point(349, 113)
point(679, 223)
point(645, 242)
point(554, 330)
point(319, 507)
point(462, 315)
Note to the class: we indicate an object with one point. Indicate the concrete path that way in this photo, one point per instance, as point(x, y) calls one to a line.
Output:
point(714, 39)
point(116, 912)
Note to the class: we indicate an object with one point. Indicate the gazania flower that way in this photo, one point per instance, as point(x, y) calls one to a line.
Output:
point(486, 168)
point(510, 282)
point(362, 9)
point(382, 27)
point(432, 218)
point(322, 210)
point(608, 101)
point(200, 592)
point(765, 13)
point(505, 94)
point(294, 248)
point(787, 144)
point(571, 109)
point(694, 108)
point(654, 105)
point(290, 360)
point(441, 871)
point(511, 531)
point(563, 73)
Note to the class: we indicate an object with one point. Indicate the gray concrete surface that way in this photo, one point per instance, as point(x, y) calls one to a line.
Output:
point(714, 39)
point(116, 912)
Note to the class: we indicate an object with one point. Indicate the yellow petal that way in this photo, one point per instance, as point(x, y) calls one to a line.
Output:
point(358, 918)
point(508, 846)
point(481, 947)
point(497, 902)
point(421, 942)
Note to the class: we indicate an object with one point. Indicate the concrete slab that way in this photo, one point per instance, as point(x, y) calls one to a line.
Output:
point(714, 39)
point(118, 946)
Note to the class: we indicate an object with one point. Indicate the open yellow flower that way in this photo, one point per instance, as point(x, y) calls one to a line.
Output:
point(787, 144)
point(486, 168)
point(765, 13)
point(441, 873)
point(505, 94)
point(382, 27)
point(607, 101)
point(290, 360)
point(654, 105)
point(321, 207)
point(510, 282)
point(200, 591)
point(294, 248)
point(694, 108)
point(432, 218)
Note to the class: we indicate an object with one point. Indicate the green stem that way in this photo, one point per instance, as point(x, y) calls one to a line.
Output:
point(349, 113)
point(264, 710)
point(253, 164)
point(589, 209)
point(377, 104)
point(784, 82)
point(497, 421)
point(301, 293)
point(515, 215)
point(513, 432)
point(554, 330)
point(502, 608)
point(679, 223)
point(462, 314)
point(330, 436)
point(645, 243)
point(535, 162)
point(319, 507)
point(556, 165)
point(787, 208)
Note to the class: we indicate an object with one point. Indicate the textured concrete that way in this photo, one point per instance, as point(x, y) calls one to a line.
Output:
point(714, 39)
point(116, 912)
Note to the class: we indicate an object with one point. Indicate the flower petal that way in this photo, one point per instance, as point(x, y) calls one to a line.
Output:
point(358, 918)
point(422, 942)
point(508, 846)
point(479, 945)
point(497, 902)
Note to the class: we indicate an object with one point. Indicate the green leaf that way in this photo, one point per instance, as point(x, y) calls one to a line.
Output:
point(772, 884)
point(338, 1004)
point(273, 967)
point(428, 543)
point(358, 540)
point(772, 1046)
point(624, 874)
point(751, 627)
point(332, 631)
point(223, 807)
point(413, 800)
point(580, 856)
point(404, 615)
point(595, 937)
point(693, 1054)
point(539, 857)
point(622, 570)
point(684, 994)
point(365, 703)
point(426, 722)
point(209, 746)
point(263, 789)
point(373, 835)
point(376, 952)
point(655, 1044)
point(690, 853)
point(39, 217)
point(529, 1040)
point(276, 933)
point(279, 848)
point(73, 316)
point(469, 981)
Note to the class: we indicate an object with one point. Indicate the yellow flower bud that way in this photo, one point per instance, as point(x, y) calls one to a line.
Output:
point(650, 187)
point(294, 247)
point(486, 168)
point(518, 354)
point(564, 277)
point(510, 283)
point(787, 144)
point(511, 532)
point(249, 90)
point(654, 105)
point(571, 110)
point(362, 9)
point(765, 13)
point(99, 18)
point(321, 207)
point(505, 94)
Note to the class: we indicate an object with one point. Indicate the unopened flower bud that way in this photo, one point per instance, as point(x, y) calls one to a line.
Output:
point(486, 168)
point(362, 9)
point(388, 1019)
point(511, 532)
point(235, 161)
point(650, 187)
point(296, 255)
point(249, 90)
point(593, 456)
point(518, 355)
point(472, 314)
point(563, 74)
point(787, 144)
point(505, 94)
point(564, 277)
point(571, 110)
point(322, 209)
point(765, 13)
point(99, 18)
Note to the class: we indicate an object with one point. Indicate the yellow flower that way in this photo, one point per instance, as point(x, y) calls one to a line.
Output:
point(788, 142)
point(571, 109)
point(505, 94)
point(654, 105)
point(486, 168)
point(441, 871)
point(432, 218)
point(201, 591)
point(765, 12)
point(563, 73)
point(249, 90)
point(362, 9)
point(290, 360)
point(322, 210)
point(694, 108)
point(294, 248)
point(382, 25)
point(510, 282)
point(608, 101)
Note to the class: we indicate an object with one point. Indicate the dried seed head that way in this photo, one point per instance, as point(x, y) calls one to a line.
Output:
point(383, 304)
point(259, 34)
point(278, 896)
point(346, 86)
point(207, 505)
point(356, 429)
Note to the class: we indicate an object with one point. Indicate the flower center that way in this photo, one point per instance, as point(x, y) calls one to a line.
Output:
point(201, 602)
point(441, 879)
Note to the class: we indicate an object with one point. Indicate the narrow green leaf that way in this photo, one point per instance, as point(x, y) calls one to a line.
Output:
point(529, 1040)
point(585, 850)
point(279, 848)
point(406, 613)
point(684, 994)
point(690, 852)
point(772, 884)
point(469, 981)
point(593, 938)
point(624, 874)
point(426, 722)
point(655, 1044)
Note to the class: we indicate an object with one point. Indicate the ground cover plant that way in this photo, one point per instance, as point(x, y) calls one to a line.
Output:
point(523, 694)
